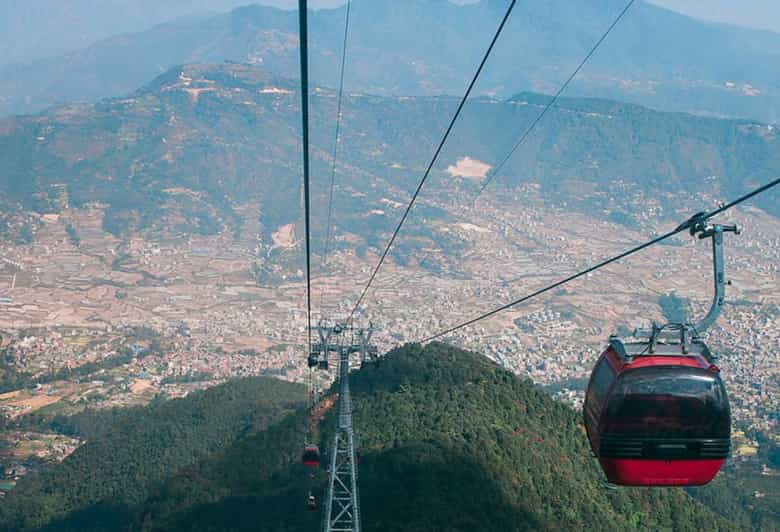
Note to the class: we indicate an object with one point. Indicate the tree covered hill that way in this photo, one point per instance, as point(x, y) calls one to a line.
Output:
point(413, 47)
point(184, 151)
point(449, 441)
point(129, 452)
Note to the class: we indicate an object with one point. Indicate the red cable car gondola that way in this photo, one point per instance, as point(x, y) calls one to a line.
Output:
point(311, 456)
point(656, 411)
point(660, 419)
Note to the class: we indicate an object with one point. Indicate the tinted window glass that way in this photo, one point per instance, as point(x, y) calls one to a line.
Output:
point(599, 385)
point(669, 402)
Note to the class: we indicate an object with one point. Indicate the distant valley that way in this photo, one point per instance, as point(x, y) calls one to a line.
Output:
point(177, 209)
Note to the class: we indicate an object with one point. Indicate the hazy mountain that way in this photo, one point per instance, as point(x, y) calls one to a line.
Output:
point(449, 441)
point(35, 29)
point(655, 57)
point(230, 134)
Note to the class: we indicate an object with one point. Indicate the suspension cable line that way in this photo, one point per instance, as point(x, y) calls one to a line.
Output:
point(527, 132)
point(336, 142)
point(554, 99)
point(433, 160)
point(698, 218)
point(304, 42)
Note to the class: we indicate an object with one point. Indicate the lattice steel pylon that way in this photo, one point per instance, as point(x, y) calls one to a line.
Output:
point(342, 503)
point(342, 507)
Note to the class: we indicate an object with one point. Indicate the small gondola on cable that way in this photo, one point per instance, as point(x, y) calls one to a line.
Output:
point(656, 410)
point(311, 503)
point(311, 452)
point(318, 355)
point(311, 455)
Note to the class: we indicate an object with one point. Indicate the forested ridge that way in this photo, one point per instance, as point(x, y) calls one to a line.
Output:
point(129, 452)
point(449, 441)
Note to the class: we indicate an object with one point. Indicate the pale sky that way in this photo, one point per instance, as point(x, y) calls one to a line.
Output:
point(762, 14)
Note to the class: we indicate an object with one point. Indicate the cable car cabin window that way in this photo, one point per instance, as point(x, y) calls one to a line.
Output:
point(668, 402)
point(599, 386)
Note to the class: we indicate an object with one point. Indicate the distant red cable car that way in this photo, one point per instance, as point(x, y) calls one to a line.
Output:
point(311, 456)
point(656, 411)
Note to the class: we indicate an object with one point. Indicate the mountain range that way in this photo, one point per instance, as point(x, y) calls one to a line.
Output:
point(411, 47)
point(185, 152)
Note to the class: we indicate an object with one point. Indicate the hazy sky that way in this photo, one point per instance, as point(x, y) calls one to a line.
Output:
point(764, 14)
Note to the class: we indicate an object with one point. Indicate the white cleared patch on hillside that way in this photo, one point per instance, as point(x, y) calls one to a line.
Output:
point(469, 168)
point(274, 90)
point(195, 93)
point(391, 203)
point(471, 227)
point(284, 237)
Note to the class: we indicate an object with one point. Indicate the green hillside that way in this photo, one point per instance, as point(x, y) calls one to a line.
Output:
point(449, 441)
point(129, 452)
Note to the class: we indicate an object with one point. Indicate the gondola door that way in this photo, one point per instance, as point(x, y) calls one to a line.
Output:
point(600, 382)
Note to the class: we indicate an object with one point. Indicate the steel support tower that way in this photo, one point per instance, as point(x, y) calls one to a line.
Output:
point(368, 352)
point(342, 504)
point(342, 507)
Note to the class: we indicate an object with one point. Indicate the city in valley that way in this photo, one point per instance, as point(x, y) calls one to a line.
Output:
point(89, 320)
